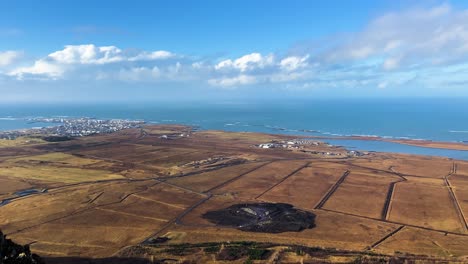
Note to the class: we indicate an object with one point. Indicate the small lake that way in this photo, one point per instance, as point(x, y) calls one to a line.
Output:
point(20, 194)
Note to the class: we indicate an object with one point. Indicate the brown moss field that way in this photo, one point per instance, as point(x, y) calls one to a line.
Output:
point(297, 189)
point(97, 196)
point(424, 205)
point(205, 181)
point(369, 192)
point(425, 242)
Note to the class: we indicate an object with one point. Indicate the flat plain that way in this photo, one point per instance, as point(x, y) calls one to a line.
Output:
point(99, 196)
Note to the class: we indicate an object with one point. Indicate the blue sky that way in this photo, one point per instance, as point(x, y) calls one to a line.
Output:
point(150, 50)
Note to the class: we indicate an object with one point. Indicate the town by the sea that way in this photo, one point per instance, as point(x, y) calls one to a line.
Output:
point(429, 119)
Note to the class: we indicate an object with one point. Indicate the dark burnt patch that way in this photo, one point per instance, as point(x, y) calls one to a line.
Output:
point(263, 217)
point(57, 138)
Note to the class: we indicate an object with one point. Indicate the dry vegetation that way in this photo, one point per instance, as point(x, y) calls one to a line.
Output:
point(101, 194)
point(21, 141)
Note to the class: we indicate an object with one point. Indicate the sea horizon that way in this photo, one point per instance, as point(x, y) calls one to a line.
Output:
point(415, 119)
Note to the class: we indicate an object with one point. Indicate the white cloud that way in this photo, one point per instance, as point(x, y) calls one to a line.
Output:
point(382, 85)
point(247, 62)
point(293, 63)
point(91, 54)
point(87, 54)
point(41, 68)
point(432, 35)
point(74, 57)
point(139, 74)
point(391, 63)
point(155, 55)
point(394, 49)
point(9, 57)
point(233, 81)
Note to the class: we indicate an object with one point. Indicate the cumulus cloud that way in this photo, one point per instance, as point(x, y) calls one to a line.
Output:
point(41, 68)
point(233, 81)
point(247, 62)
point(426, 36)
point(394, 49)
point(91, 54)
point(86, 54)
point(9, 57)
point(74, 57)
point(155, 55)
point(391, 63)
point(293, 63)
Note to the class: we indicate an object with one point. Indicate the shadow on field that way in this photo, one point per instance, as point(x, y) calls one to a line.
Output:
point(79, 260)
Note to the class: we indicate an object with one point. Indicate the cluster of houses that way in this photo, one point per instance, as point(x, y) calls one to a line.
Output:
point(204, 162)
point(292, 144)
point(73, 127)
point(349, 153)
point(301, 144)
point(174, 136)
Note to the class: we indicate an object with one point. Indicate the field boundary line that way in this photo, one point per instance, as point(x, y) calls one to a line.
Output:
point(179, 187)
point(441, 247)
point(178, 218)
point(158, 202)
point(237, 177)
point(79, 211)
point(332, 190)
point(95, 198)
point(285, 178)
point(396, 223)
point(130, 214)
point(188, 174)
point(454, 199)
point(387, 236)
point(388, 200)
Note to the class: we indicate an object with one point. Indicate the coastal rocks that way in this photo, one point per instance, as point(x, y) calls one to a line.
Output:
point(263, 217)
point(11, 253)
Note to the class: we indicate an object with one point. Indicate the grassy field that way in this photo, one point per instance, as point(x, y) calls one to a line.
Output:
point(108, 192)
point(205, 181)
point(424, 205)
point(56, 158)
point(57, 174)
point(55, 167)
point(425, 243)
point(21, 141)
point(305, 188)
point(369, 192)
point(259, 181)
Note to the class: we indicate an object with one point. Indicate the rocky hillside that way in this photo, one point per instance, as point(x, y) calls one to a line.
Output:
point(11, 253)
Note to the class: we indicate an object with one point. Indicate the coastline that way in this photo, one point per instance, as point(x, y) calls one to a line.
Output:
point(206, 167)
point(410, 142)
point(454, 150)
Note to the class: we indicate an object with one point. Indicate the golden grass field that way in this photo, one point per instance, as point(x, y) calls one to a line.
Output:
point(104, 194)
point(20, 141)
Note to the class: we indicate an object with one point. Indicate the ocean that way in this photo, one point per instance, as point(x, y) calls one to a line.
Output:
point(432, 119)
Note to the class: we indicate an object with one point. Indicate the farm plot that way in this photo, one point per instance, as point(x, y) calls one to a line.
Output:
point(305, 188)
point(257, 182)
point(96, 219)
point(9, 185)
point(37, 209)
point(55, 158)
point(426, 167)
point(424, 242)
point(57, 174)
point(178, 158)
point(424, 205)
point(332, 230)
point(362, 193)
point(208, 180)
